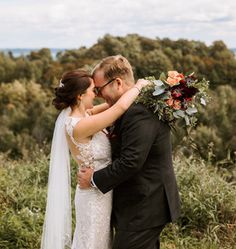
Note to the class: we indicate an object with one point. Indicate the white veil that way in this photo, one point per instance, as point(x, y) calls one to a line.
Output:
point(57, 223)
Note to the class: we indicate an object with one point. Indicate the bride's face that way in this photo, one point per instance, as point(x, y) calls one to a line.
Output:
point(88, 97)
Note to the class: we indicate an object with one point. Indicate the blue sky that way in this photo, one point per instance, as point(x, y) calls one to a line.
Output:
point(75, 23)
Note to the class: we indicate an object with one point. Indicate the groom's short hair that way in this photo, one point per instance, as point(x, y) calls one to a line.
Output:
point(115, 66)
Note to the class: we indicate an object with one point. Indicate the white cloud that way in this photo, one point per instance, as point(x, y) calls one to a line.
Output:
point(56, 23)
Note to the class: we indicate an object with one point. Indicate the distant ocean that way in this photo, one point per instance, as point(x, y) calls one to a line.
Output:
point(16, 52)
point(25, 51)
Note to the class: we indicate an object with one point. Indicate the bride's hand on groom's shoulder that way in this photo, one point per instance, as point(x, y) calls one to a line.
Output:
point(142, 83)
point(84, 176)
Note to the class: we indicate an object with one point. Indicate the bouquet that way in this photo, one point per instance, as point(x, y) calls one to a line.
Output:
point(175, 96)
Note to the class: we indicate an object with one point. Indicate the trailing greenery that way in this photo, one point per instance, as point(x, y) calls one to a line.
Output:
point(208, 204)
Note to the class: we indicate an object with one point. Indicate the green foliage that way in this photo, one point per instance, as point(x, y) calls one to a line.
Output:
point(27, 117)
point(155, 61)
point(217, 127)
point(148, 56)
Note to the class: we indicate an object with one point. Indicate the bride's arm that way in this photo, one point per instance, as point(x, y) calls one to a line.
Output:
point(92, 124)
point(98, 108)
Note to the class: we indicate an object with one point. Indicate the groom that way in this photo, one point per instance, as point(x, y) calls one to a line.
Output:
point(145, 194)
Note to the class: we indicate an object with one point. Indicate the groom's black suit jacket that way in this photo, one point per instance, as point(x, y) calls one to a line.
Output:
point(145, 191)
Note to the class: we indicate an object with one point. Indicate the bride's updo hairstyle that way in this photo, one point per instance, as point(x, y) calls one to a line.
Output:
point(72, 84)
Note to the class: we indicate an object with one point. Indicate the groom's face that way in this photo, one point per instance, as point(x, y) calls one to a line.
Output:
point(106, 88)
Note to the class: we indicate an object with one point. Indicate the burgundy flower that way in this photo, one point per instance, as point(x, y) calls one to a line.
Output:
point(188, 99)
point(176, 93)
point(189, 92)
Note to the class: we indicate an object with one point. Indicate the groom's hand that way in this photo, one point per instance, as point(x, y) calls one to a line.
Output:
point(84, 177)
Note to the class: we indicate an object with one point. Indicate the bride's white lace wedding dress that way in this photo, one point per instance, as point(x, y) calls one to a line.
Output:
point(93, 208)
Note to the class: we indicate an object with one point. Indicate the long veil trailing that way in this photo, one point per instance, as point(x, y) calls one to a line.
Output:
point(57, 223)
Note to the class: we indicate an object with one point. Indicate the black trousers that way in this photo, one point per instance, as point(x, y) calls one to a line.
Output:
point(146, 239)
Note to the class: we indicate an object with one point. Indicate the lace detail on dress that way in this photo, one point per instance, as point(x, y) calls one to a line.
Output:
point(97, 149)
point(85, 156)
point(93, 208)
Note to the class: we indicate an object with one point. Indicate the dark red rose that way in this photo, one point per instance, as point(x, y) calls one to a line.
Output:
point(189, 92)
point(176, 93)
point(188, 99)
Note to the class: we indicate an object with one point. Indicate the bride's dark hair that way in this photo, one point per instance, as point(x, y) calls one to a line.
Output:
point(72, 84)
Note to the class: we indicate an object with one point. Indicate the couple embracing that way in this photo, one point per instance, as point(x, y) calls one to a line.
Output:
point(126, 191)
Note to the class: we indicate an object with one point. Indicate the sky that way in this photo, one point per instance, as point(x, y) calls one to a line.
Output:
point(76, 23)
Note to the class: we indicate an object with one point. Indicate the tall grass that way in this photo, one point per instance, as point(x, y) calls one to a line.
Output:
point(208, 217)
point(208, 205)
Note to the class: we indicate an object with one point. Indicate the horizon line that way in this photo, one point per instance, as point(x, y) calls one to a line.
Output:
point(32, 48)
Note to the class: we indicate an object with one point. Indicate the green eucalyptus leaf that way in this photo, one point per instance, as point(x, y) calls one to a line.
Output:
point(191, 110)
point(158, 90)
point(187, 120)
point(180, 113)
point(158, 82)
point(162, 77)
point(176, 115)
point(156, 108)
point(203, 101)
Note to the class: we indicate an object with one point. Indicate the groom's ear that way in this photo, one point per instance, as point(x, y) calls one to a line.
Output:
point(119, 81)
point(119, 84)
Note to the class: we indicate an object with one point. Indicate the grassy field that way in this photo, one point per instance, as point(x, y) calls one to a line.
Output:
point(208, 205)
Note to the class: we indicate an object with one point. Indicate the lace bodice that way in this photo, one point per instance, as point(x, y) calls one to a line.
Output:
point(95, 153)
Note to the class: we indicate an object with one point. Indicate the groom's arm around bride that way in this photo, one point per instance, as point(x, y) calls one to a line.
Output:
point(145, 194)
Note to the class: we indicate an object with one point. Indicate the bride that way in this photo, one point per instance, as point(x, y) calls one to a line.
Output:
point(80, 129)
